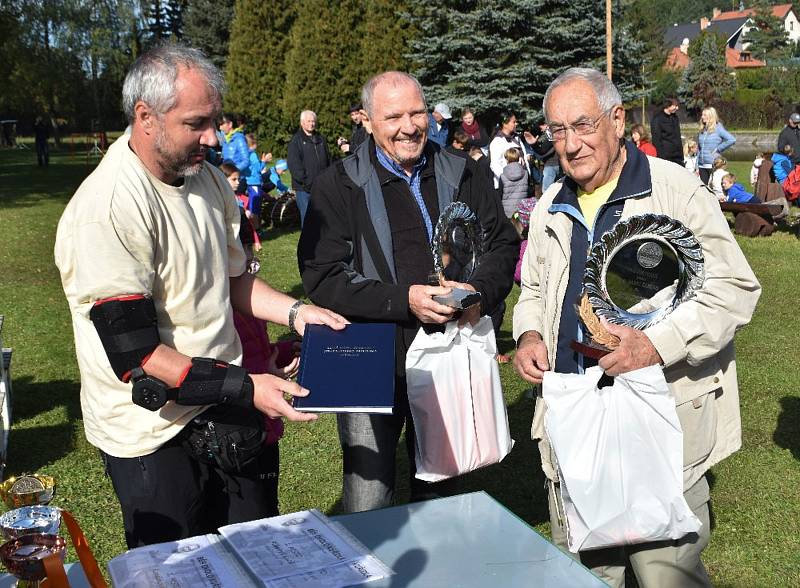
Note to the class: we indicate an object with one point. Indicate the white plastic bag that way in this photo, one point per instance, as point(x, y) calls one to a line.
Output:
point(456, 401)
point(620, 456)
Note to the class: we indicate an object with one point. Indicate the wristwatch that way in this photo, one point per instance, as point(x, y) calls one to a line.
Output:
point(293, 315)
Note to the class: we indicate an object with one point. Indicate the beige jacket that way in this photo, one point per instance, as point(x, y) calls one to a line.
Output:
point(695, 341)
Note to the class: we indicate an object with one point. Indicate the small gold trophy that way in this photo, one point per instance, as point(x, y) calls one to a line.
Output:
point(31, 528)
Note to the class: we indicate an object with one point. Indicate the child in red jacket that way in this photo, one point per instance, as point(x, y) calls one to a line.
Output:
point(260, 356)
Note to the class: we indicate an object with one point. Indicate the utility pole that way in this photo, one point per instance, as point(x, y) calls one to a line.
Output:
point(608, 39)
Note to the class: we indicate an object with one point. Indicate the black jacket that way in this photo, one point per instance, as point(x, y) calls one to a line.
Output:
point(358, 136)
point(308, 157)
point(342, 247)
point(666, 131)
point(790, 136)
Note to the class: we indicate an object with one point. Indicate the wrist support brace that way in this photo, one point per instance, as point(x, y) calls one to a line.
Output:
point(207, 381)
point(211, 381)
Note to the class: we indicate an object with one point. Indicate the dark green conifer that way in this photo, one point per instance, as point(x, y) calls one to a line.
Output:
point(499, 56)
point(323, 70)
point(255, 72)
point(708, 77)
point(207, 26)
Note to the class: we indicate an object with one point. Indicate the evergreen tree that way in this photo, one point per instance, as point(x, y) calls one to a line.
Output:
point(384, 38)
point(481, 54)
point(255, 72)
point(322, 65)
point(708, 77)
point(156, 14)
point(500, 55)
point(206, 26)
point(174, 12)
point(768, 39)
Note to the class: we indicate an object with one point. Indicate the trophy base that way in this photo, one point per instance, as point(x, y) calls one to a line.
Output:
point(590, 349)
point(459, 298)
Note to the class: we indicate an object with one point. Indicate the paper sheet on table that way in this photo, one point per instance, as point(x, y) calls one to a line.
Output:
point(303, 550)
point(196, 562)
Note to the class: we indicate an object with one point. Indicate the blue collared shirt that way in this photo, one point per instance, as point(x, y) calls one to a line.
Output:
point(413, 182)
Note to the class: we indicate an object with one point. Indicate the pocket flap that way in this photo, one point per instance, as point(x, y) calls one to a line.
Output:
point(688, 383)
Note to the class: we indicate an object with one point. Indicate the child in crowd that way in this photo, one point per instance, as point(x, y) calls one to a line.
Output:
point(232, 173)
point(782, 163)
point(718, 171)
point(259, 356)
point(735, 192)
point(521, 221)
point(690, 157)
point(275, 173)
point(756, 166)
point(255, 180)
point(514, 180)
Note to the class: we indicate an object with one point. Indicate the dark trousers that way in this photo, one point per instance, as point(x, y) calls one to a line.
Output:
point(369, 448)
point(170, 495)
point(705, 173)
point(42, 153)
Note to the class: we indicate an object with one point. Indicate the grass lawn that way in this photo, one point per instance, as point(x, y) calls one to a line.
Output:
point(756, 493)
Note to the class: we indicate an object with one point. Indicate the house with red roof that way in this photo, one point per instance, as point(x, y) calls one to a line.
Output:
point(732, 25)
point(785, 12)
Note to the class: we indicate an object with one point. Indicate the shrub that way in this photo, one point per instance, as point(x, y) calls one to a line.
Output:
point(751, 109)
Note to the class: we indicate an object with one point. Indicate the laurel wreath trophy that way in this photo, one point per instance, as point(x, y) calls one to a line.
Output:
point(457, 247)
point(636, 275)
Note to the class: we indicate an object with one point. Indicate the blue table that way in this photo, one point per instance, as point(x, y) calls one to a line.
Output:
point(469, 541)
point(465, 541)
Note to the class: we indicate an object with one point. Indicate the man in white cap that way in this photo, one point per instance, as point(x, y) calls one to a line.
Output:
point(438, 126)
point(790, 135)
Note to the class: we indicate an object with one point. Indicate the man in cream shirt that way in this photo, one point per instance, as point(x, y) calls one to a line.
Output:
point(608, 179)
point(152, 268)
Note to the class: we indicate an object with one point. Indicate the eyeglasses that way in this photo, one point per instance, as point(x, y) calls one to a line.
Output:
point(582, 127)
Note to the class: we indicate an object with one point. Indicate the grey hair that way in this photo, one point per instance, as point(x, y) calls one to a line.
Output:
point(152, 77)
point(395, 78)
point(307, 113)
point(607, 94)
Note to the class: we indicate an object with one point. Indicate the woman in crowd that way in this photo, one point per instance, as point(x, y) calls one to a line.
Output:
point(478, 136)
point(642, 139)
point(712, 141)
point(507, 138)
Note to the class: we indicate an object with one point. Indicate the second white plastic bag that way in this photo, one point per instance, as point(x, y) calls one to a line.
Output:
point(620, 456)
point(456, 401)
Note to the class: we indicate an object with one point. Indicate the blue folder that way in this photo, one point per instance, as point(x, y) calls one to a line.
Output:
point(351, 370)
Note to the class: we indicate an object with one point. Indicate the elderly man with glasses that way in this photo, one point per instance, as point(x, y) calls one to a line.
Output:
point(608, 179)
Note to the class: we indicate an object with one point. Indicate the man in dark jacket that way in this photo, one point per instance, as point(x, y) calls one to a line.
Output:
point(359, 134)
point(41, 131)
point(308, 157)
point(365, 249)
point(790, 135)
point(666, 130)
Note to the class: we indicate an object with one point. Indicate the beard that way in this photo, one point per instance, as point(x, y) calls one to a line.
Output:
point(405, 157)
point(174, 162)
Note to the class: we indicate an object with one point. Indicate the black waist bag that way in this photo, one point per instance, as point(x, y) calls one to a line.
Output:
point(229, 437)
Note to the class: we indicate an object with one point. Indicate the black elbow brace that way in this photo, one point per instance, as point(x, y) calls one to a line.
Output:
point(208, 381)
point(128, 331)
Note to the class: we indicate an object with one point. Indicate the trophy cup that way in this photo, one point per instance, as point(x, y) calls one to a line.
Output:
point(31, 529)
point(636, 275)
point(27, 490)
point(457, 246)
